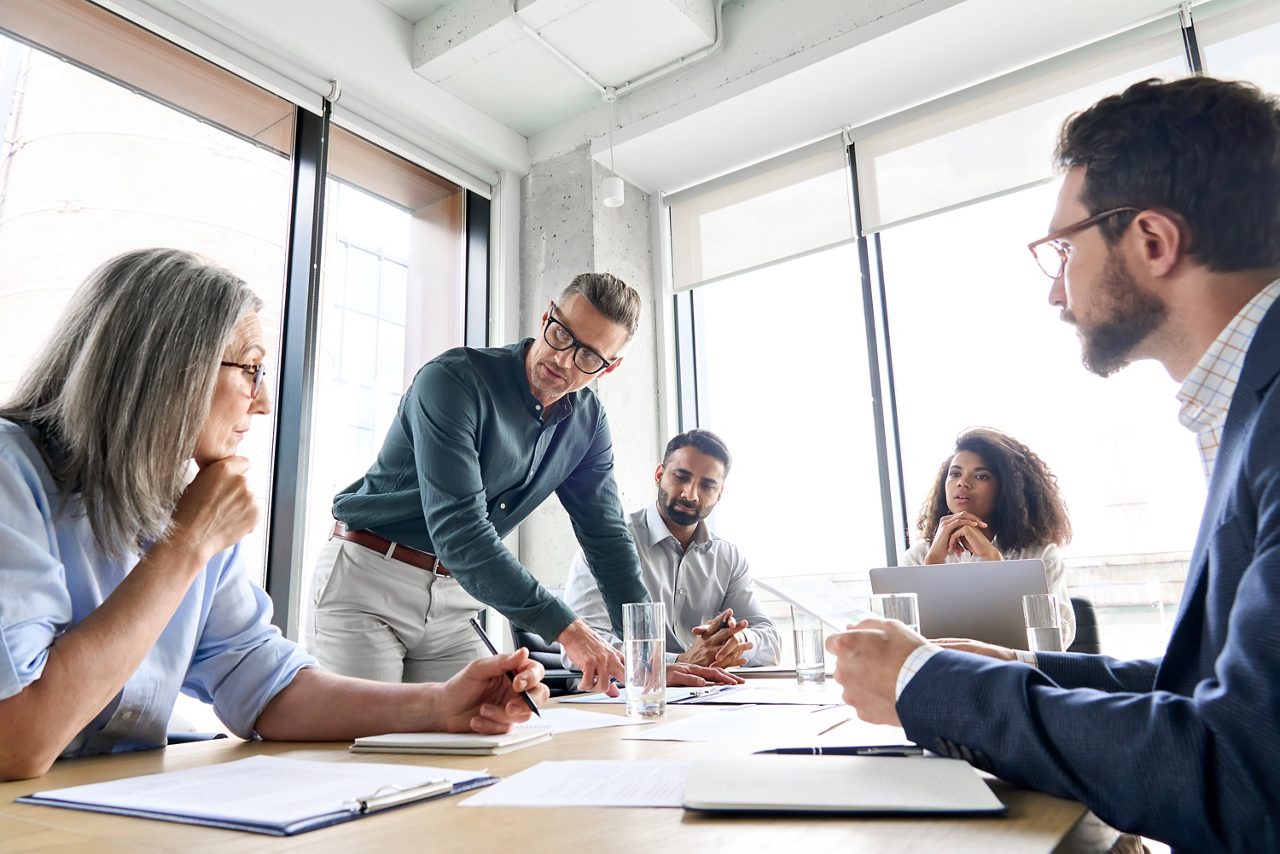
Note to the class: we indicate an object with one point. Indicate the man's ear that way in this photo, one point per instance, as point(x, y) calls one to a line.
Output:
point(657, 473)
point(612, 365)
point(1164, 241)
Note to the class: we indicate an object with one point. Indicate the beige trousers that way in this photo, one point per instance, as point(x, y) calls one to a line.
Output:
point(379, 618)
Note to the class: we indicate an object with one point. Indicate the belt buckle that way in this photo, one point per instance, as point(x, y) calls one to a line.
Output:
point(435, 567)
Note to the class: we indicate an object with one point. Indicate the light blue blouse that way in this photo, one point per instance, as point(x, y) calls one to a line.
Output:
point(219, 647)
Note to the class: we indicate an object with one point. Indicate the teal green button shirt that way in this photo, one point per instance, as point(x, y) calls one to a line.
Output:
point(470, 456)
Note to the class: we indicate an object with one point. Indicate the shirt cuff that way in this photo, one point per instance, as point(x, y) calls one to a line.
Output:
point(912, 665)
point(1027, 658)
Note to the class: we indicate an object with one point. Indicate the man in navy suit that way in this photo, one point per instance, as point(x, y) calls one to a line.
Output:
point(1165, 245)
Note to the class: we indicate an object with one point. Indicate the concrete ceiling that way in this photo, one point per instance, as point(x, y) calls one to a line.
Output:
point(465, 81)
point(518, 66)
point(414, 10)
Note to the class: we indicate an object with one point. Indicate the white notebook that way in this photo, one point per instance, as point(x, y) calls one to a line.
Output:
point(882, 785)
point(467, 744)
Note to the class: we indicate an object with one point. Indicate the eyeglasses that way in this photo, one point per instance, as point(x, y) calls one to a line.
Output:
point(257, 372)
point(558, 337)
point(1051, 252)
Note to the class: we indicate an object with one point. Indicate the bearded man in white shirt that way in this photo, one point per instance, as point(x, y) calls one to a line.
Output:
point(714, 617)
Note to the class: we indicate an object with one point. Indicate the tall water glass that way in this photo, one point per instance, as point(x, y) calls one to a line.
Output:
point(1044, 629)
point(644, 631)
point(903, 607)
point(811, 666)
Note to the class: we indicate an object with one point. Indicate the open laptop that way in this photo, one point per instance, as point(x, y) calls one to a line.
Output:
point(981, 600)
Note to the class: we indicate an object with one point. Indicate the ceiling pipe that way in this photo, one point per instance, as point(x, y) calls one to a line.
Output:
point(611, 93)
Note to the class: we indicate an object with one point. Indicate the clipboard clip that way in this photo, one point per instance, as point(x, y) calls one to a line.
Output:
point(393, 795)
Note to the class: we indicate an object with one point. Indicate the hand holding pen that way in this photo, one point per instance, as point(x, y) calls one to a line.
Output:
point(529, 676)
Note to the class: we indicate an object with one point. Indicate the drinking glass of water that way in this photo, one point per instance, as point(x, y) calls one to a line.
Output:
point(903, 607)
point(644, 632)
point(811, 666)
point(1044, 632)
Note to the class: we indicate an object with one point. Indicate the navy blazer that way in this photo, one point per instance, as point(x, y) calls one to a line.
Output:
point(1184, 748)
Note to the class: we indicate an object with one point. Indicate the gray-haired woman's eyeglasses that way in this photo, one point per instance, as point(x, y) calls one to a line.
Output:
point(256, 372)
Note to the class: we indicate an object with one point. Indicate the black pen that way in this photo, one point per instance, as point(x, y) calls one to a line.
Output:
point(533, 707)
point(876, 750)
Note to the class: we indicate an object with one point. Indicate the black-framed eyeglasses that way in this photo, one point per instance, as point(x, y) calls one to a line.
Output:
point(558, 337)
point(1051, 252)
point(255, 372)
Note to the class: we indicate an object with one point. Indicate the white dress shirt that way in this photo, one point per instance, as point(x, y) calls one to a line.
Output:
point(695, 584)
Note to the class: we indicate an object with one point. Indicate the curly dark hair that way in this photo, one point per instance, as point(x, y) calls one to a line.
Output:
point(1029, 509)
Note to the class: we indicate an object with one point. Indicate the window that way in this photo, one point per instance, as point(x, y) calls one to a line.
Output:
point(782, 378)
point(391, 298)
point(949, 194)
point(975, 343)
point(1239, 41)
point(154, 147)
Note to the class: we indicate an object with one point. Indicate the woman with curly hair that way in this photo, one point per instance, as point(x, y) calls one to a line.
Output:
point(995, 499)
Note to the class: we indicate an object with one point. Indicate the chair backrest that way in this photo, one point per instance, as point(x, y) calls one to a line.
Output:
point(1087, 637)
point(547, 653)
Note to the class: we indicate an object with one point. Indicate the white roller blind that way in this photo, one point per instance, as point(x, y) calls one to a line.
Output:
point(999, 136)
point(784, 207)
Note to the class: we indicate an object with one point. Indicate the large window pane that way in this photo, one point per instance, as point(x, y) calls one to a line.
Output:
point(976, 343)
point(391, 298)
point(782, 378)
point(180, 156)
point(1241, 44)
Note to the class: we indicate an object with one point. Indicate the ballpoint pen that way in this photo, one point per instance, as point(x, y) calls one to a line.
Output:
point(869, 750)
point(533, 707)
point(391, 796)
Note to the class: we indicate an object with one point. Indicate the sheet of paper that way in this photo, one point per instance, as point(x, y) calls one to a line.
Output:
point(261, 789)
point(589, 783)
point(572, 720)
point(817, 595)
point(776, 691)
point(743, 729)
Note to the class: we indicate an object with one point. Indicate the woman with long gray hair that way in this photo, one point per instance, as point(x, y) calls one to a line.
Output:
point(121, 582)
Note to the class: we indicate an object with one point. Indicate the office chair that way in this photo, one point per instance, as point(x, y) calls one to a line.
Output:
point(1087, 637)
point(558, 680)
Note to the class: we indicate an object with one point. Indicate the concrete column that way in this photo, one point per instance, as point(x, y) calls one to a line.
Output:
point(566, 230)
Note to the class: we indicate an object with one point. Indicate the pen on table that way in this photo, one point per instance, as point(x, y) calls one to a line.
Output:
point(533, 707)
point(391, 796)
point(874, 750)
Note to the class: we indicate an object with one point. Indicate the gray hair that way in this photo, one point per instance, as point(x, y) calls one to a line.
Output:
point(121, 391)
point(610, 296)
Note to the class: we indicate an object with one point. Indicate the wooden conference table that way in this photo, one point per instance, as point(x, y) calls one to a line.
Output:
point(1034, 822)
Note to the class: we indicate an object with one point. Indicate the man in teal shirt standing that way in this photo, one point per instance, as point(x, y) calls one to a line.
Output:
point(482, 437)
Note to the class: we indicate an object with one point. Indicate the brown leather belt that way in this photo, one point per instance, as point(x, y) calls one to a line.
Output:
point(386, 548)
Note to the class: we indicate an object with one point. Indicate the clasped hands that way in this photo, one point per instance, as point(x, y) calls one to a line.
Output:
point(959, 533)
point(717, 642)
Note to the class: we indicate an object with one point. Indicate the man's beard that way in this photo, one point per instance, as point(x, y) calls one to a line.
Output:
point(1130, 315)
point(679, 514)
